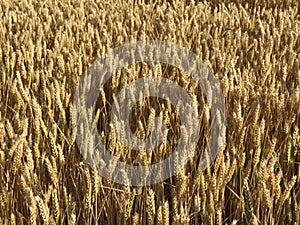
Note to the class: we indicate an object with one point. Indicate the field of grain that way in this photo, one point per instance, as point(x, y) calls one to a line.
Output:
point(253, 49)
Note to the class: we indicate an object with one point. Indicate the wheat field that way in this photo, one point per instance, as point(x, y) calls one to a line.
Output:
point(253, 50)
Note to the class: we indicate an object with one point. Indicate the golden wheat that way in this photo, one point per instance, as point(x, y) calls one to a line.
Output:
point(252, 48)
